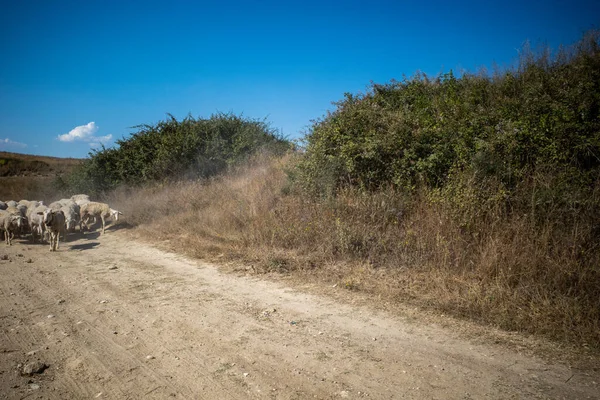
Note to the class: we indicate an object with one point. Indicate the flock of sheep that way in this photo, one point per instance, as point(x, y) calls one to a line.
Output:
point(48, 223)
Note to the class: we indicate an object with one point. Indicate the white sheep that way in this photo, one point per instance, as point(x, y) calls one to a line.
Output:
point(102, 210)
point(9, 224)
point(72, 216)
point(22, 210)
point(58, 204)
point(66, 202)
point(55, 224)
point(16, 210)
point(36, 222)
point(3, 214)
point(30, 205)
point(55, 205)
point(80, 199)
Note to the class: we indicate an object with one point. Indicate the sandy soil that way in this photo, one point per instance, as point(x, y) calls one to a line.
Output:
point(115, 318)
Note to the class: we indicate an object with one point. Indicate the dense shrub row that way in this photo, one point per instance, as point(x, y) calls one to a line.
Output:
point(175, 150)
point(540, 117)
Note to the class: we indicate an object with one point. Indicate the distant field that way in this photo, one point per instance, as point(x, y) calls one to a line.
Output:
point(25, 176)
point(15, 164)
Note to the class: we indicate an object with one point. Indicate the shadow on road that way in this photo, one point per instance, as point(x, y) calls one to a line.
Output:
point(119, 225)
point(84, 246)
point(97, 228)
point(91, 235)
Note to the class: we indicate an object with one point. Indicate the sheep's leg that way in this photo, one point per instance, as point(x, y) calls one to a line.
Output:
point(87, 222)
point(83, 222)
point(103, 222)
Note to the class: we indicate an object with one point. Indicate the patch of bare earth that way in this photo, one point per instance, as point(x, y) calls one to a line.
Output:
point(112, 317)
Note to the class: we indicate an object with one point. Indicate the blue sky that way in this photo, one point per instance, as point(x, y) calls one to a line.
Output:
point(77, 74)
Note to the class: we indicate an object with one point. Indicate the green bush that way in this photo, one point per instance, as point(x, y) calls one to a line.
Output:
point(501, 176)
point(174, 150)
point(544, 115)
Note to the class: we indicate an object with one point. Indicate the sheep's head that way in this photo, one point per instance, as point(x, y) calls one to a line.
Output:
point(16, 221)
point(46, 216)
point(115, 214)
point(49, 216)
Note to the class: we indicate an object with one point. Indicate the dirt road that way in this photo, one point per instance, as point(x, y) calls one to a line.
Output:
point(118, 319)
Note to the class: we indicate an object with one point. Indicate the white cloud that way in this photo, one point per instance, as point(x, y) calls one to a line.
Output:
point(100, 141)
point(8, 144)
point(85, 133)
point(82, 132)
point(104, 139)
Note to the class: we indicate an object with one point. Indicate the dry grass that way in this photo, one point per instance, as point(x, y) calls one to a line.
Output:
point(29, 188)
point(16, 164)
point(58, 162)
point(25, 176)
point(506, 274)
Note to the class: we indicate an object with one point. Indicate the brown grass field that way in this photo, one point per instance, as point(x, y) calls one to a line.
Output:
point(24, 176)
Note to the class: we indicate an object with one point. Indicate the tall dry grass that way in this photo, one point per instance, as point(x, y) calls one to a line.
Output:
point(504, 271)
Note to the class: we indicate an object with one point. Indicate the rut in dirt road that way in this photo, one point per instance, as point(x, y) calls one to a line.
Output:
point(115, 318)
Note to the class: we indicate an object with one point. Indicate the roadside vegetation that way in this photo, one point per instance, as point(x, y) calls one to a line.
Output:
point(172, 150)
point(475, 195)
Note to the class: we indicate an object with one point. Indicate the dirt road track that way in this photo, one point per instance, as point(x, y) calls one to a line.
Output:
point(117, 319)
